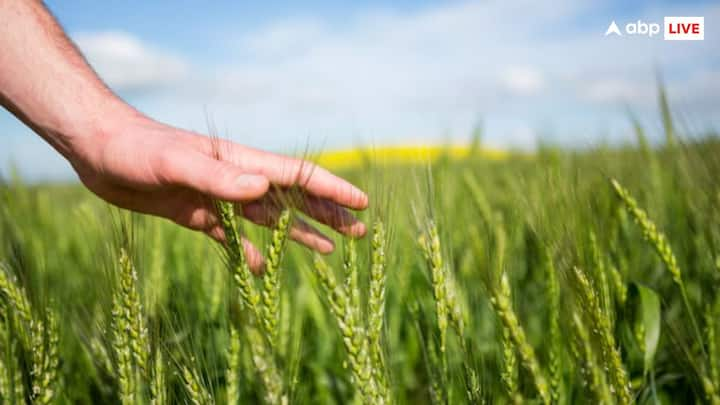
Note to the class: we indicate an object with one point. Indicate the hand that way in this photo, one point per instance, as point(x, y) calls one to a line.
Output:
point(139, 164)
point(149, 167)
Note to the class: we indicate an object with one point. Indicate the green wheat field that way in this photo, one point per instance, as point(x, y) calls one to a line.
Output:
point(564, 277)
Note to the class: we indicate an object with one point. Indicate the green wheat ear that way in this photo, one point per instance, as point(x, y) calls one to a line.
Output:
point(353, 334)
point(45, 359)
point(502, 304)
point(197, 394)
point(271, 278)
point(237, 262)
point(509, 372)
point(376, 307)
point(12, 386)
point(129, 335)
point(590, 369)
point(659, 242)
point(21, 314)
point(158, 384)
point(552, 288)
point(600, 273)
point(430, 244)
point(39, 336)
point(350, 268)
point(604, 332)
point(261, 329)
point(265, 366)
point(133, 312)
point(123, 354)
point(232, 374)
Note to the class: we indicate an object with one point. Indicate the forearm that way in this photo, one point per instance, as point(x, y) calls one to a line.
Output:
point(46, 82)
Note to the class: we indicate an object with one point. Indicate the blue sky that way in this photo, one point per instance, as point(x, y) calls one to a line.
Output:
point(281, 74)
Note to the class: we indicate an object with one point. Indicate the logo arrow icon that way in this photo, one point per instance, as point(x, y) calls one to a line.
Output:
point(613, 29)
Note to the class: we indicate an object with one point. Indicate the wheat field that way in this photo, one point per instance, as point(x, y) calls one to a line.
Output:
point(563, 276)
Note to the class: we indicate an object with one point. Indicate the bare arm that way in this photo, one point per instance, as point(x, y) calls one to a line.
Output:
point(134, 162)
point(45, 81)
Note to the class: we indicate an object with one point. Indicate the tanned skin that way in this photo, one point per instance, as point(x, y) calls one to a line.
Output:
point(134, 162)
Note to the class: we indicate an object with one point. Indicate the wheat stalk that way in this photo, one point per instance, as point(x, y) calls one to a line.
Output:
point(132, 310)
point(271, 279)
point(265, 365)
point(22, 313)
point(45, 359)
point(599, 270)
point(430, 243)
point(237, 262)
point(618, 285)
point(129, 334)
point(267, 316)
point(42, 341)
point(353, 338)
point(376, 307)
point(502, 304)
point(456, 319)
point(123, 353)
point(100, 355)
point(509, 372)
point(197, 394)
point(662, 247)
point(158, 384)
point(589, 367)
point(552, 288)
point(603, 330)
point(232, 374)
point(12, 387)
point(350, 267)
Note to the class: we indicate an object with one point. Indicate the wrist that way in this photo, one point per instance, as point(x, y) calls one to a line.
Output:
point(85, 132)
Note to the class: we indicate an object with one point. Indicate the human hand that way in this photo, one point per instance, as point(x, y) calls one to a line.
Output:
point(136, 163)
point(149, 167)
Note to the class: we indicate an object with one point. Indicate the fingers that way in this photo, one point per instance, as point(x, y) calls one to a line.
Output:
point(182, 206)
point(264, 213)
point(254, 257)
point(287, 171)
point(211, 177)
point(308, 235)
point(334, 216)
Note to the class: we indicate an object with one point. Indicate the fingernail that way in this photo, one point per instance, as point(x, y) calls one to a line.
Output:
point(358, 229)
point(250, 181)
point(325, 246)
point(360, 197)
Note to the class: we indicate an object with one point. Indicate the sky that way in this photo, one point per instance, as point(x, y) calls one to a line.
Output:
point(285, 76)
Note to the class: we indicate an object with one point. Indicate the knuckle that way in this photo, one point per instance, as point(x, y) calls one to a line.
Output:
point(164, 167)
point(303, 171)
point(221, 174)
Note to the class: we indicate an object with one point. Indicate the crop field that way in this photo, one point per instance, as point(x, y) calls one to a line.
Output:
point(566, 277)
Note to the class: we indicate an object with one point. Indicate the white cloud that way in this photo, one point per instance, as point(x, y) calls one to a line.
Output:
point(523, 80)
point(384, 76)
point(283, 39)
point(126, 63)
point(617, 90)
point(433, 71)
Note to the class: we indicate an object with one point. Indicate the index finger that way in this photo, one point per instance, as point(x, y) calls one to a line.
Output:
point(288, 171)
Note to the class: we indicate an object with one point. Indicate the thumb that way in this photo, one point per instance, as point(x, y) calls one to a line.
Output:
point(214, 178)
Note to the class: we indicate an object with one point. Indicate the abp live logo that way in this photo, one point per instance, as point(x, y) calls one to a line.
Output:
point(684, 28)
point(676, 29)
